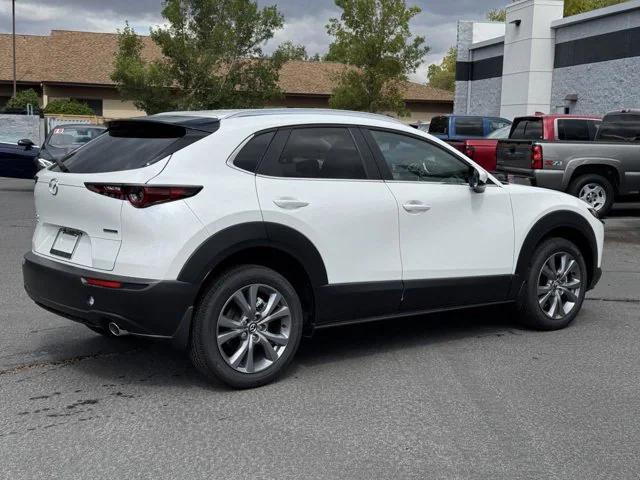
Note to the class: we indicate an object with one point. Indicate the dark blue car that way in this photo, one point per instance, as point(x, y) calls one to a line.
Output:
point(464, 127)
point(23, 159)
point(18, 160)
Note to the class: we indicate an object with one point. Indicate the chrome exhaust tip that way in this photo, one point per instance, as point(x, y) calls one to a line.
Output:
point(116, 331)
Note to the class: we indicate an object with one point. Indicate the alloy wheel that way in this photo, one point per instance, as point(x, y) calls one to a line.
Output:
point(559, 284)
point(253, 328)
point(593, 194)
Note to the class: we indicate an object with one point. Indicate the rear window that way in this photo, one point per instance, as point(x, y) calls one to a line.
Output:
point(469, 126)
point(128, 145)
point(578, 130)
point(620, 128)
point(438, 125)
point(527, 129)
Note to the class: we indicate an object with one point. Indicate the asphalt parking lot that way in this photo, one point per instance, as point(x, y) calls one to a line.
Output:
point(464, 395)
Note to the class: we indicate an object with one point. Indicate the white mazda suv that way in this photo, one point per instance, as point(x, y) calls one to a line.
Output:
point(234, 233)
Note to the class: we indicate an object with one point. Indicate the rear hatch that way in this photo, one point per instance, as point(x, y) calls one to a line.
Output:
point(79, 226)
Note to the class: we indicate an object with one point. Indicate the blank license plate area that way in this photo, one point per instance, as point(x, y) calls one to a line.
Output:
point(65, 243)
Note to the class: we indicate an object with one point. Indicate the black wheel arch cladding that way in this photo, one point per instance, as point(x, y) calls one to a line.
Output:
point(220, 246)
point(565, 224)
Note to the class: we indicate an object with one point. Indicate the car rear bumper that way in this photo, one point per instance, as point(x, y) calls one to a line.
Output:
point(537, 178)
point(140, 307)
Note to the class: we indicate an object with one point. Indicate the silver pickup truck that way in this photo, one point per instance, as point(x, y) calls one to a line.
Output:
point(598, 171)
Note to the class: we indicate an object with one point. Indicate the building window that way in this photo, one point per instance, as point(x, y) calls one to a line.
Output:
point(95, 104)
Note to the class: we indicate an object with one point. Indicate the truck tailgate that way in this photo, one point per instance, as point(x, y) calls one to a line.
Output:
point(514, 154)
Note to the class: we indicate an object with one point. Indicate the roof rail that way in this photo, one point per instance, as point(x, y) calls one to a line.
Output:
point(308, 111)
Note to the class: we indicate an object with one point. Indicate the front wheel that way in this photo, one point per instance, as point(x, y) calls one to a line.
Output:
point(555, 286)
point(247, 327)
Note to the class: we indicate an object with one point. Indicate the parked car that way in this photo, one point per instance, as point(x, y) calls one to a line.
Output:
point(64, 139)
point(233, 232)
point(597, 172)
point(463, 127)
point(482, 150)
point(17, 159)
point(551, 128)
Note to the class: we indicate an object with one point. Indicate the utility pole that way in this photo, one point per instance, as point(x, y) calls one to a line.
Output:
point(13, 15)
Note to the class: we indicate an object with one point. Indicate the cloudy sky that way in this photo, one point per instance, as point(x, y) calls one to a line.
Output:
point(304, 19)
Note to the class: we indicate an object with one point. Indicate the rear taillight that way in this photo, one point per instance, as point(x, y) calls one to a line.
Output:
point(142, 196)
point(469, 151)
point(536, 156)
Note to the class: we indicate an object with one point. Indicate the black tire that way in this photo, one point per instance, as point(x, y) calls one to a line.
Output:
point(530, 311)
point(593, 178)
point(204, 351)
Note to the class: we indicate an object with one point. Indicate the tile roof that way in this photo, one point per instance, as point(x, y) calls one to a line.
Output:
point(87, 58)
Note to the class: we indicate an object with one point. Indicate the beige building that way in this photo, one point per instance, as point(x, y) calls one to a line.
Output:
point(68, 64)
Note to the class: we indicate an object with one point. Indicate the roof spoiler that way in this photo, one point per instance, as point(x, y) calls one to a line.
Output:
point(201, 124)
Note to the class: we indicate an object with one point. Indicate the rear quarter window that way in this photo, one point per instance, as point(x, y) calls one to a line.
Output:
point(252, 152)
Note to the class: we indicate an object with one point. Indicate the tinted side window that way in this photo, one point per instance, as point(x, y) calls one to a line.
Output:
point(253, 151)
point(620, 128)
point(471, 126)
point(319, 152)
point(576, 130)
point(411, 159)
point(439, 125)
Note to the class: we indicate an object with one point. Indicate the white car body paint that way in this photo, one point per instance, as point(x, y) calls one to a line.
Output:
point(361, 231)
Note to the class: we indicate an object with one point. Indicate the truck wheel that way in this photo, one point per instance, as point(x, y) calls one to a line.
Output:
point(555, 286)
point(247, 327)
point(595, 190)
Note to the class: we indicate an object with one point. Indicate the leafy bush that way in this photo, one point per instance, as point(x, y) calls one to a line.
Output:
point(68, 107)
point(22, 99)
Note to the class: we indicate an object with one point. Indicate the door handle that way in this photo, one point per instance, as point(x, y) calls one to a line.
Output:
point(414, 206)
point(289, 203)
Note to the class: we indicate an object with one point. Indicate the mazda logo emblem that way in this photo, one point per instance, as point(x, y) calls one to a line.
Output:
point(53, 186)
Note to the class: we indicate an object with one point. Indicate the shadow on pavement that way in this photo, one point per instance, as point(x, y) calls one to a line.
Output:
point(156, 363)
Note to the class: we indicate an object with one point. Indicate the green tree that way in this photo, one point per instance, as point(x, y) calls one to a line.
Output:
point(497, 15)
point(290, 51)
point(573, 7)
point(22, 99)
point(373, 38)
point(444, 75)
point(68, 107)
point(211, 58)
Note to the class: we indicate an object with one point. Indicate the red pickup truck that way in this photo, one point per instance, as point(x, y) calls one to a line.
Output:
point(550, 128)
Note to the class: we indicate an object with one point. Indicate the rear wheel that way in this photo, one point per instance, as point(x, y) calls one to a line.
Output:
point(247, 327)
point(595, 190)
point(555, 286)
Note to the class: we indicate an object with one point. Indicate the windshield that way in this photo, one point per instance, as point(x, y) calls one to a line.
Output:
point(65, 137)
point(501, 133)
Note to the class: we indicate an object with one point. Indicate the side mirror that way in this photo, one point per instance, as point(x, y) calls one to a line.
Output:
point(478, 180)
point(26, 143)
